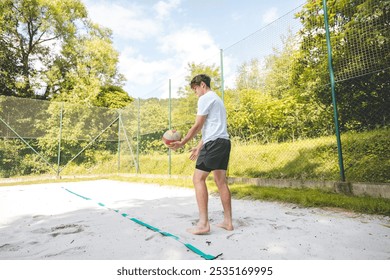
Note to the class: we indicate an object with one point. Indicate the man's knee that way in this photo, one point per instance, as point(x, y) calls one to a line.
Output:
point(220, 179)
point(199, 176)
point(219, 182)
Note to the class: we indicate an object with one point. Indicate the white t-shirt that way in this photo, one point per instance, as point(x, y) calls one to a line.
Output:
point(215, 126)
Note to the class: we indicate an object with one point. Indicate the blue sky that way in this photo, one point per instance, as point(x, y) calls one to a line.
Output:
point(156, 39)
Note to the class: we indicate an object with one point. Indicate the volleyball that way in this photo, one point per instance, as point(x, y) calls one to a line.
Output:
point(170, 136)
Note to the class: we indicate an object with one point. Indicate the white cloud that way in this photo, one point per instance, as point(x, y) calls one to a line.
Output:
point(189, 44)
point(137, 28)
point(127, 22)
point(270, 15)
point(141, 71)
point(177, 50)
point(163, 9)
point(185, 46)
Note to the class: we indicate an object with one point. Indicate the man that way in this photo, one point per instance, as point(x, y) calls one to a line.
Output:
point(211, 154)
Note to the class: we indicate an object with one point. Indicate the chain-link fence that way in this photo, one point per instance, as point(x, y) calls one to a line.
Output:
point(281, 97)
point(47, 137)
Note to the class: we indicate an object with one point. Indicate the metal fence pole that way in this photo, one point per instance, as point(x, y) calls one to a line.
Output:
point(119, 141)
point(332, 83)
point(138, 134)
point(170, 127)
point(59, 141)
point(222, 78)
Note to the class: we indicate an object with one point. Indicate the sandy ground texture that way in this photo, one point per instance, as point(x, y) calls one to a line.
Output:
point(39, 222)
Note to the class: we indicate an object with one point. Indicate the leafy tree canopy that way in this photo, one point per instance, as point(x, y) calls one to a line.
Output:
point(49, 49)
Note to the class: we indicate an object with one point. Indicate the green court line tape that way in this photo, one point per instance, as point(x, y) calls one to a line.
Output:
point(145, 224)
point(199, 252)
point(167, 234)
point(83, 197)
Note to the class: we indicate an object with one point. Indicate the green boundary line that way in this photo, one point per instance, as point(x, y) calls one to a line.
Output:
point(167, 234)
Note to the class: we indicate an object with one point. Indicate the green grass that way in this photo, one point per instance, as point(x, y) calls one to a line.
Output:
point(366, 159)
point(315, 198)
point(301, 197)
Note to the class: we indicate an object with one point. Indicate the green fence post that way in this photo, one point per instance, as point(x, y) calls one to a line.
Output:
point(222, 79)
point(119, 141)
point(138, 134)
point(332, 83)
point(170, 127)
point(59, 141)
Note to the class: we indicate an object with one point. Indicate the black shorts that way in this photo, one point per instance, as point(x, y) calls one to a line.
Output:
point(214, 155)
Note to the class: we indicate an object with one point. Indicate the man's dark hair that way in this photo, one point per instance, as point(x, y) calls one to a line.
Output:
point(196, 81)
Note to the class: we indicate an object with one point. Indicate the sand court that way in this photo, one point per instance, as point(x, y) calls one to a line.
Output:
point(92, 220)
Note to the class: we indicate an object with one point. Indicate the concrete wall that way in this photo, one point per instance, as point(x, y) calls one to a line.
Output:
point(349, 188)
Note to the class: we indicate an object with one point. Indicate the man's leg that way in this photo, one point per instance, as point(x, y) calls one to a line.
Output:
point(226, 199)
point(202, 198)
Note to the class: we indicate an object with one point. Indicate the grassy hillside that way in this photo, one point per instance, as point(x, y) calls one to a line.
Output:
point(366, 159)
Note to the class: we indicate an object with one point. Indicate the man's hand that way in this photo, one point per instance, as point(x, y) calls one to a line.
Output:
point(199, 122)
point(194, 153)
point(175, 145)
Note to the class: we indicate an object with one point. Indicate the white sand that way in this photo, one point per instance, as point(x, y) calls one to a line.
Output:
point(39, 222)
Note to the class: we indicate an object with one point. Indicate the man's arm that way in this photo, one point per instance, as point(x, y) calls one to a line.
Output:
point(195, 129)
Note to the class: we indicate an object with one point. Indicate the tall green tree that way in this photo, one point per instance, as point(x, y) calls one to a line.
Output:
point(112, 97)
point(86, 70)
point(9, 71)
point(360, 40)
point(49, 49)
point(274, 110)
point(30, 29)
point(250, 75)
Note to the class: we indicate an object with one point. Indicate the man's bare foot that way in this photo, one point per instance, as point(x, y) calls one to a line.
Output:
point(199, 230)
point(226, 226)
